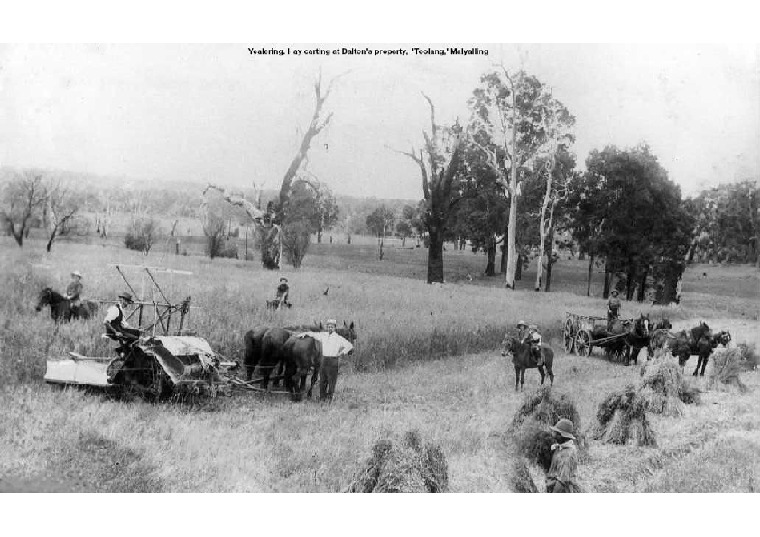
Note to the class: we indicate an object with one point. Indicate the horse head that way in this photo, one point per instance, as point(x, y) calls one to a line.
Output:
point(643, 325)
point(45, 298)
point(722, 338)
point(348, 331)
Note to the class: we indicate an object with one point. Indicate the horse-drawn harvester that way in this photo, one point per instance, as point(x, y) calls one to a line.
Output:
point(162, 363)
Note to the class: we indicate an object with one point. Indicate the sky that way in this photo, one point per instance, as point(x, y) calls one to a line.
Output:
point(218, 113)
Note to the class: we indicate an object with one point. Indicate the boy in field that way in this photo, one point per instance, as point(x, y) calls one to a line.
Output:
point(282, 293)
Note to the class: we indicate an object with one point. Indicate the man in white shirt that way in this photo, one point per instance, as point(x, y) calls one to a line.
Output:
point(333, 347)
point(116, 320)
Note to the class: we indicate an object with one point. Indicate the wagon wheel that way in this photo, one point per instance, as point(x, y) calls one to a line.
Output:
point(583, 343)
point(569, 335)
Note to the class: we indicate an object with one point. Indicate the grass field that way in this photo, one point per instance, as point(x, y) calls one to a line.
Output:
point(427, 358)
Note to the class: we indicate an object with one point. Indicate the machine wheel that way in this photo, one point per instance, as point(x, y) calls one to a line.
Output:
point(583, 343)
point(569, 336)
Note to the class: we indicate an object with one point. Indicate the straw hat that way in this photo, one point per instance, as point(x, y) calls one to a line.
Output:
point(127, 297)
point(284, 280)
point(614, 293)
point(565, 428)
point(331, 322)
point(522, 323)
point(76, 273)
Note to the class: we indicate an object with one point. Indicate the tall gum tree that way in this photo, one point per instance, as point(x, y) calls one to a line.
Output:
point(439, 162)
point(508, 125)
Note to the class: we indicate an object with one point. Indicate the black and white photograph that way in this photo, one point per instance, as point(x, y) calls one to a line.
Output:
point(343, 267)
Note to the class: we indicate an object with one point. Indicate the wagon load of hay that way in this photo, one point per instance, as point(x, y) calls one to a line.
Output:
point(728, 366)
point(622, 419)
point(405, 466)
point(664, 388)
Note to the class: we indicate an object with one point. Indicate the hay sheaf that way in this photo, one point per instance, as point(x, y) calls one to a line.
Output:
point(664, 387)
point(527, 477)
point(726, 371)
point(406, 466)
point(748, 356)
point(622, 419)
point(547, 408)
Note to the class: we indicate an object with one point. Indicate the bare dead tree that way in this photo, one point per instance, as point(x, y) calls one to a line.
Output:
point(268, 223)
point(438, 162)
point(60, 207)
point(23, 197)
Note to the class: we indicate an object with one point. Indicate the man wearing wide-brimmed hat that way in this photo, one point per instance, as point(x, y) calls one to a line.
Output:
point(613, 308)
point(282, 293)
point(333, 347)
point(561, 476)
point(116, 320)
point(74, 289)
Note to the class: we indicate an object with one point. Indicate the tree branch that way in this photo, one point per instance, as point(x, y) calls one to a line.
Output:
point(254, 212)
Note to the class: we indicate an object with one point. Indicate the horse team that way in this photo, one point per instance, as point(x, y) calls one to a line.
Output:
point(699, 341)
point(279, 354)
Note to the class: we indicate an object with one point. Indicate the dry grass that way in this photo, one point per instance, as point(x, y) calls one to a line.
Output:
point(257, 443)
point(622, 419)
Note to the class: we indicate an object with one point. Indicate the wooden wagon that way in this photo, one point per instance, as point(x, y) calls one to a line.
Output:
point(581, 333)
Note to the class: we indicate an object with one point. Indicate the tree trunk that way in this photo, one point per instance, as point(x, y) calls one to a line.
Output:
point(590, 273)
point(435, 254)
point(319, 236)
point(503, 265)
point(549, 262)
point(491, 257)
point(518, 267)
point(630, 280)
point(49, 245)
point(641, 295)
point(607, 280)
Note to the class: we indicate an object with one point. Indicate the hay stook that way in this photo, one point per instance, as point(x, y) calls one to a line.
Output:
point(406, 466)
point(664, 388)
point(622, 419)
point(728, 365)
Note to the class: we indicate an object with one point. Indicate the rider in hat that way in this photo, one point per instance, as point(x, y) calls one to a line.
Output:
point(282, 293)
point(74, 289)
point(533, 338)
point(333, 347)
point(522, 331)
point(116, 321)
point(562, 472)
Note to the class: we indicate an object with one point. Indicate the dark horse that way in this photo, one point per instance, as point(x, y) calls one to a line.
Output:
point(637, 338)
point(61, 310)
point(522, 360)
point(699, 341)
point(304, 355)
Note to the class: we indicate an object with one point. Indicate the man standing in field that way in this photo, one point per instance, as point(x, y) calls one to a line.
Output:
point(562, 472)
point(333, 347)
point(74, 289)
point(613, 309)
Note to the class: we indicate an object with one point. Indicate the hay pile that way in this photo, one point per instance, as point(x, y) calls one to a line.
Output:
point(622, 419)
point(546, 408)
point(664, 388)
point(727, 369)
point(749, 357)
point(405, 466)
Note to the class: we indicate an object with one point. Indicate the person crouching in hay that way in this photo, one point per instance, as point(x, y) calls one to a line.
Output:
point(561, 476)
